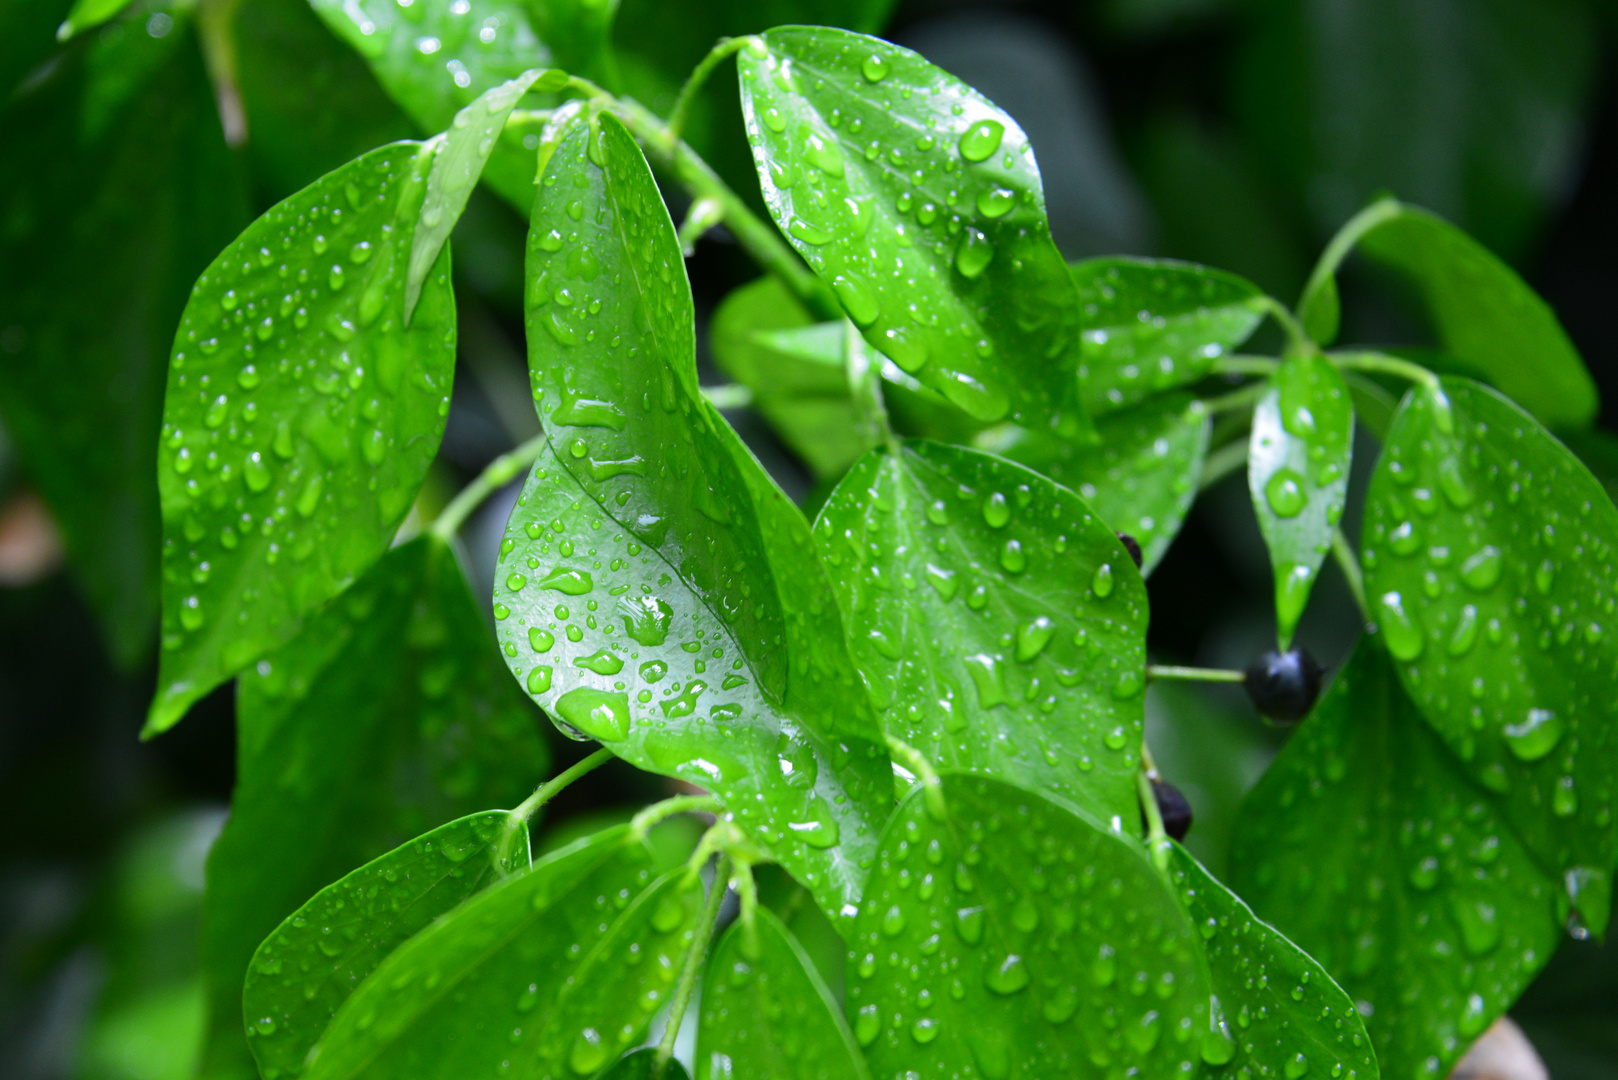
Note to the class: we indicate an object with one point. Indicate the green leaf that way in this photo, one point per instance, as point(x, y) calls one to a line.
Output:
point(300, 418)
point(116, 188)
point(1143, 476)
point(518, 969)
point(1151, 325)
point(1297, 473)
point(1275, 1010)
point(999, 625)
point(766, 1012)
point(389, 715)
point(803, 395)
point(909, 192)
point(1367, 844)
point(1015, 934)
point(1489, 555)
point(87, 14)
point(656, 591)
point(307, 967)
point(642, 1065)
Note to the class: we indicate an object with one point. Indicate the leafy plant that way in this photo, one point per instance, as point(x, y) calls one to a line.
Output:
point(926, 706)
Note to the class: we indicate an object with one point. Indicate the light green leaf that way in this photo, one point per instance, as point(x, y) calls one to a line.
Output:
point(492, 982)
point(1297, 474)
point(303, 971)
point(1275, 1010)
point(920, 203)
point(87, 14)
point(642, 1065)
point(999, 625)
point(1367, 845)
point(767, 1014)
point(1489, 553)
point(1141, 479)
point(1015, 934)
point(656, 591)
point(389, 715)
point(1151, 325)
point(300, 418)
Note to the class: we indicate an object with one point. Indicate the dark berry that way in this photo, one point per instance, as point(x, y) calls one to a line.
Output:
point(1132, 546)
point(1172, 808)
point(1283, 685)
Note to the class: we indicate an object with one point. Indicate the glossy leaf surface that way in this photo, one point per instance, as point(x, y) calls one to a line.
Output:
point(300, 418)
point(1141, 478)
point(1151, 325)
point(1367, 844)
point(1015, 939)
point(1297, 473)
point(303, 971)
point(642, 1065)
point(768, 1015)
point(390, 714)
point(1490, 557)
point(490, 982)
point(999, 625)
point(87, 14)
point(656, 591)
point(920, 203)
point(1275, 1010)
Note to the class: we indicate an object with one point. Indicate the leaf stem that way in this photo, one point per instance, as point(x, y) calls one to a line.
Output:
point(1349, 563)
point(918, 766)
point(1385, 364)
point(1243, 397)
point(725, 48)
point(1222, 462)
point(1349, 235)
point(694, 956)
point(1157, 840)
point(643, 822)
point(1193, 674)
point(499, 472)
point(518, 817)
point(1297, 336)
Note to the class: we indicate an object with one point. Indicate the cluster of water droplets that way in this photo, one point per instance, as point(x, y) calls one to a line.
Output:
point(469, 44)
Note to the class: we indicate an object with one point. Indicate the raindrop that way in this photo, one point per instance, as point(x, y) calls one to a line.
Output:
point(1101, 583)
point(1284, 492)
point(875, 68)
point(1007, 977)
point(996, 511)
point(1399, 627)
point(598, 713)
point(1536, 736)
point(981, 140)
point(1482, 569)
point(1032, 637)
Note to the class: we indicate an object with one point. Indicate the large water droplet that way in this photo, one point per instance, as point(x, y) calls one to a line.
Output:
point(988, 678)
point(1033, 636)
point(600, 714)
point(1481, 570)
point(1536, 736)
point(1399, 627)
point(974, 253)
point(981, 140)
point(1284, 492)
point(875, 68)
point(1008, 976)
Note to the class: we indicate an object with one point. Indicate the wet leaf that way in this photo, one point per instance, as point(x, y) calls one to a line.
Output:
point(1015, 934)
point(767, 1014)
point(494, 980)
point(919, 202)
point(88, 14)
point(642, 1065)
point(1275, 1010)
point(389, 715)
point(1151, 325)
point(300, 418)
point(999, 625)
point(1368, 845)
point(1297, 473)
point(1489, 554)
point(1143, 476)
point(655, 590)
point(309, 965)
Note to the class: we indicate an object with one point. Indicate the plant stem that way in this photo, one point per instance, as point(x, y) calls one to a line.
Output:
point(694, 956)
point(1387, 365)
point(518, 817)
point(1193, 674)
point(723, 49)
point(1297, 336)
point(917, 764)
point(1349, 564)
point(1222, 462)
point(499, 472)
point(1157, 841)
point(1349, 235)
point(1244, 397)
point(642, 823)
point(1245, 364)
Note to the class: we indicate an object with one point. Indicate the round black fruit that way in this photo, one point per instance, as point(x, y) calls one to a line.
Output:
point(1173, 808)
point(1283, 685)
point(1132, 546)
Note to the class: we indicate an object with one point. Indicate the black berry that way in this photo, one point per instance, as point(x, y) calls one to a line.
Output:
point(1283, 685)
point(1173, 808)
point(1132, 546)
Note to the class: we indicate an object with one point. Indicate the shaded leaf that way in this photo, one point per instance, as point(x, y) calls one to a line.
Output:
point(1297, 473)
point(1489, 553)
point(300, 418)
point(766, 1013)
point(1151, 325)
point(309, 965)
point(656, 591)
point(999, 625)
point(1367, 844)
point(920, 193)
point(1024, 936)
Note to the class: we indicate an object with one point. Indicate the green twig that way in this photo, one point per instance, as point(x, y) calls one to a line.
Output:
point(501, 471)
point(1385, 364)
point(1192, 674)
point(643, 822)
point(1349, 235)
point(1349, 564)
point(525, 810)
point(725, 48)
point(1297, 336)
point(694, 956)
point(1245, 364)
point(1157, 840)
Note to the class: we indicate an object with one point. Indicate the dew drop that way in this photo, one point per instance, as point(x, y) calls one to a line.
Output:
point(981, 140)
point(1536, 736)
point(1399, 627)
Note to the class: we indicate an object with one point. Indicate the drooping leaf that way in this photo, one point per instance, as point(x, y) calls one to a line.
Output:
point(767, 1014)
point(116, 189)
point(1141, 478)
point(919, 202)
point(656, 591)
point(1015, 934)
point(389, 715)
point(309, 965)
point(1490, 563)
point(1297, 474)
point(1367, 844)
point(999, 625)
point(1275, 1010)
point(1151, 325)
point(642, 1065)
point(300, 417)
point(494, 981)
